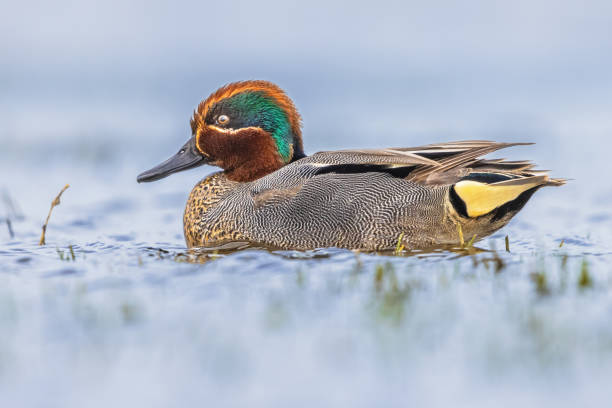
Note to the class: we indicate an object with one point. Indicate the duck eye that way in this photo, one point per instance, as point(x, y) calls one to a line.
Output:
point(222, 119)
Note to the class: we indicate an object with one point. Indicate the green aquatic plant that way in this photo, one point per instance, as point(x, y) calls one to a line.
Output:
point(400, 246)
point(563, 273)
point(299, 278)
point(390, 297)
point(130, 312)
point(541, 283)
point(460, 233)
point(69, 255)
point(495, 260)
point(379, 274)
point(584, 279)
point(276, 315)
point(471, 242)
point(466, 246)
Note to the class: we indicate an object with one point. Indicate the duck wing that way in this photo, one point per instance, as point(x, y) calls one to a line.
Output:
point(441, 163)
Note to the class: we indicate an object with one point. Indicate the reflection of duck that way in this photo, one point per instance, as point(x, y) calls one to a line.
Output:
point(269, 192)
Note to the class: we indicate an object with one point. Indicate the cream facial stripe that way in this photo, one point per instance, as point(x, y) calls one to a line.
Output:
point(231, 131)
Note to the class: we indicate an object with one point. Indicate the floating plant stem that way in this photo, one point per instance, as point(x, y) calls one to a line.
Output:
point(54, 203)
point(460, 232)
point(469, 244)
point(507, 244)
point(72, 252)
point(399, 247)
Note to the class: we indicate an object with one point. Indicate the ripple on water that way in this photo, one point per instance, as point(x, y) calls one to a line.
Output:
point(100, 246)
point(600, 217)
point(122, 238)
point(575, 240)
point(87, 223)
point(63, 271)
point(117, 205)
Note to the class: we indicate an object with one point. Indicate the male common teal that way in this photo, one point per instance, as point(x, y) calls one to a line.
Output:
point(271, 193)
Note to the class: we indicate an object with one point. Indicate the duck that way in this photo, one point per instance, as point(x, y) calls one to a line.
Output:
point(270, 193)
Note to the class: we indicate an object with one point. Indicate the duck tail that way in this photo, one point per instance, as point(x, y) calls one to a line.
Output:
point(556, 182)
point(474, 197)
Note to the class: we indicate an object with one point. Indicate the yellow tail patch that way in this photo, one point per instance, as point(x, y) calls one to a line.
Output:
point(482, 198)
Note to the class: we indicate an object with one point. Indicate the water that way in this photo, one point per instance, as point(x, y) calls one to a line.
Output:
point(131, 320)
point(115, 311)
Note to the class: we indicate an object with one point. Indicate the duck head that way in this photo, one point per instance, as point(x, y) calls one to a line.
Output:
point(248, 128)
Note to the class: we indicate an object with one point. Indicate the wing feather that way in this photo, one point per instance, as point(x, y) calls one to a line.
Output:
point(440, 163)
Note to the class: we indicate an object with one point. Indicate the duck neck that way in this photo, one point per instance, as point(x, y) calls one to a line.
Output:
point(260, 158)
point(253, 169)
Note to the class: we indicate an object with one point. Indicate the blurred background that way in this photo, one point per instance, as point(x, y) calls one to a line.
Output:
point(108, 76)
point(86, 84)
point(94, 92)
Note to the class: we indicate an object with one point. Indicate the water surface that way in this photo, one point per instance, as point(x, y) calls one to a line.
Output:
point(115, 311)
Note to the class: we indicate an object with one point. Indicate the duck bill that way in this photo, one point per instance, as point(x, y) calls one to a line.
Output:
point(187, 157)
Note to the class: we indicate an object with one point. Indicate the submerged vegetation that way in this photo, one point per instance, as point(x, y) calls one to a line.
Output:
point(69, 255)
point(585, 280)
point(12, 213)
